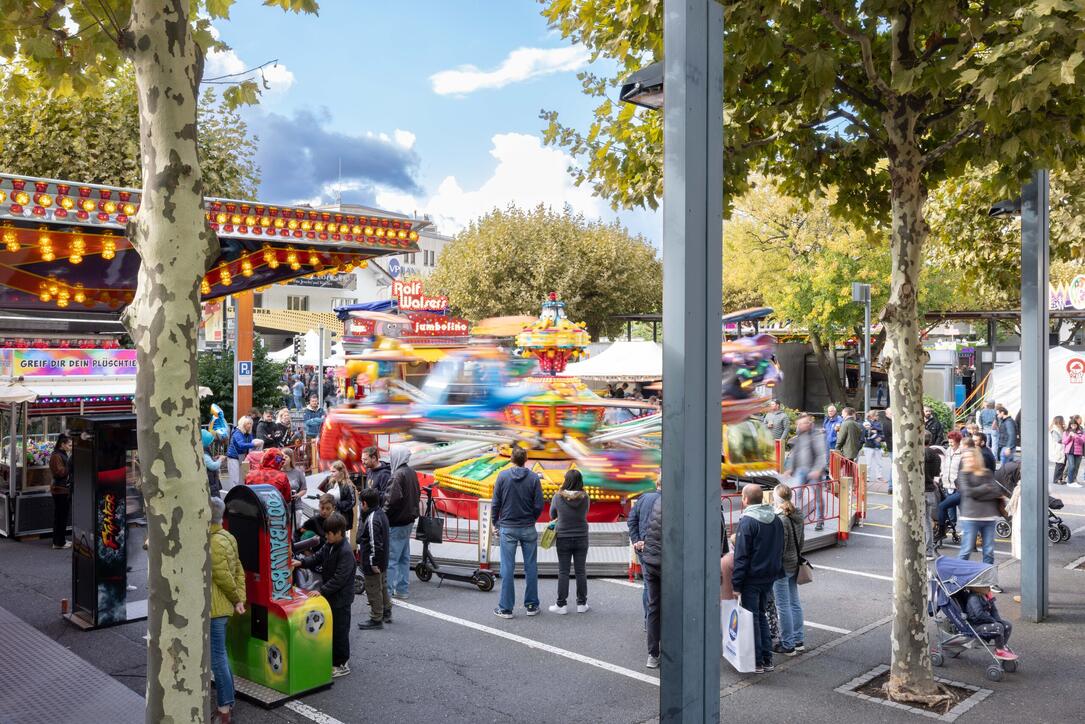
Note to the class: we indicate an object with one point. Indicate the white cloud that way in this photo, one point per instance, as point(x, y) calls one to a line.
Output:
point(527, 174)
point(520, 65)
point(404, 138)
point(221, 63)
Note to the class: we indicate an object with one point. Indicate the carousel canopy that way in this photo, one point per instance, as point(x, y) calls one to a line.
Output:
point(623, 361)
point(62, 243)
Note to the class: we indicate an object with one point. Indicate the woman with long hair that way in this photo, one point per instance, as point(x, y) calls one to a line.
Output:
point(979, 506)
point(241, 444)
point(570, 508)
point(60, 466)
point(786, 590)
point(338, 484)
point(1056, 450)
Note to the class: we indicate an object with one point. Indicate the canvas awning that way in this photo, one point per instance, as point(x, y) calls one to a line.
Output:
point(624, 361)
point(1065, 379)
point(12, 393)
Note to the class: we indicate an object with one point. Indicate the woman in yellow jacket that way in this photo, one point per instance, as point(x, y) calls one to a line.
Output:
point(227, 598)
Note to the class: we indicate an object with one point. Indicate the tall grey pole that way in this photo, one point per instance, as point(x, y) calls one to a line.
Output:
point(320, 368)
point(692, 325)
point(867, 362)
point(1034, 390)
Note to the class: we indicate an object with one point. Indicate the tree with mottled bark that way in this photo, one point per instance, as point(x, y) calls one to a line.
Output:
point(70, 46)
point(879, 100)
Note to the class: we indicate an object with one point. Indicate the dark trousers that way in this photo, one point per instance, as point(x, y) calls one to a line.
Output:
point(947, 509)
point(755, 598)
point(651, 583)
point(376, 590)
point(995, 633)
point(61, 504)
point(340, 635)
point(575, 549)
point(1060, 473)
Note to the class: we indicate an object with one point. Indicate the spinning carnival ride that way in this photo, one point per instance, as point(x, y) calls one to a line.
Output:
point(479, 402)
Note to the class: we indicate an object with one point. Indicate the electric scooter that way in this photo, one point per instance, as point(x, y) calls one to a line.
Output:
point(430, 531)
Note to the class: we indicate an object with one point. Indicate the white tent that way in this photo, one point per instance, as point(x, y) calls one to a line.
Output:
point(312, 350)
point(634, 361)
point(1066, 384)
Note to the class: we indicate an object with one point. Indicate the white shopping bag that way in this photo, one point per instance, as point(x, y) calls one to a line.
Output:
point(738, 646)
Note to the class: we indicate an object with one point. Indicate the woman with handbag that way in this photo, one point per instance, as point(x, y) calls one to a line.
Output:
point(786, 589)
point(569, 508)
point(60, 465)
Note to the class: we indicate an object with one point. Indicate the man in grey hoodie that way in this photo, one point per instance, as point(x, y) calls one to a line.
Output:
point(759, 561)
point(806, 463)
point(517, 504)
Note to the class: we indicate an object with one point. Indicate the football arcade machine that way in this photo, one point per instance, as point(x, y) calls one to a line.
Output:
point(282, 645)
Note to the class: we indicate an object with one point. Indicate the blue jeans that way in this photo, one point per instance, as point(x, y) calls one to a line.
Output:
point(789, 609)
point(947, 509)
point(298, 404)
point(527, 539)
point(969, 529)
point(756, 599)
point(399, 558)
point(1073, 462)
point(1007, 455)
point(220, 665)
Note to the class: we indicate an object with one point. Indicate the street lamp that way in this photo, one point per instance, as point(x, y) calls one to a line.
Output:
point(644, 88)
point(692, 103)
point(861, 293)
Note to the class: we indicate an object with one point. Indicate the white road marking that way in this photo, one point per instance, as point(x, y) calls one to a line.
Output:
point(1074, 564)
point(819, 567)
point(946, 545)
point(606, 666)
point(310, 713)
point(811, 624)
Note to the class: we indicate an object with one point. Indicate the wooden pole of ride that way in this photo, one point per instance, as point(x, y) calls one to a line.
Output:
point(243, 331)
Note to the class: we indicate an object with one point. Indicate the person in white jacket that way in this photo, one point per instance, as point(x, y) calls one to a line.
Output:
point(1056, 450)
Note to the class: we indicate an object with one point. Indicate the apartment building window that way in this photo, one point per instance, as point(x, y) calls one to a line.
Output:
point(258, 301)
point(298, 303)
point(341, 302)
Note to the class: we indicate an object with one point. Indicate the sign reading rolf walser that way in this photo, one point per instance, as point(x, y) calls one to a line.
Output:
point(411, 298)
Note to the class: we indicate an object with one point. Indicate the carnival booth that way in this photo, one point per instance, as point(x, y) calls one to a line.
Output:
point(41, 391)
point(106, 467)
point(282, 645)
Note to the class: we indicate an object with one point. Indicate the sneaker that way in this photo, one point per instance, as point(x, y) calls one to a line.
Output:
point(400, 596)
point(819, 526)
point(997, 589)
point(66, 546)
point(930, 556)
point(1005, 655)
point(759, 669)
point(338, 671)
point(766, 668)
point(1075, 485)
point(532, 610)
point(387, 618)
point(785, 650)
point(559, 610)
point(653, 662)
point(582, 608)
point(369, 625)
point(502, 613)
point(800, 647)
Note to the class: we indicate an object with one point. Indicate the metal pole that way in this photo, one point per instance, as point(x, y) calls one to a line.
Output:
point(13, 451)
point(320, 369)
point(692, 284)
point(866, 348)
point(1034, 390)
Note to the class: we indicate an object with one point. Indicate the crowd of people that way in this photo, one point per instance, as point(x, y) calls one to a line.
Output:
point(300, 383)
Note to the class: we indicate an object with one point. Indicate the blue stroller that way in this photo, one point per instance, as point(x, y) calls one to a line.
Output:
point(950, 578)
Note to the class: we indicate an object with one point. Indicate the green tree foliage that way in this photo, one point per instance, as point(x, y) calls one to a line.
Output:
point(96, 139)
point(216, 371)
point(508, 261)
point(880, 102)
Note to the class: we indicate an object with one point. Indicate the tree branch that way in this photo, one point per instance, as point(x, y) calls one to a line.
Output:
point(930, 157)
point(865, 49)
point(857, 94)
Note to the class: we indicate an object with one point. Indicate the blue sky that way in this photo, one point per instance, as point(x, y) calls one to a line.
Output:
point(431, 106)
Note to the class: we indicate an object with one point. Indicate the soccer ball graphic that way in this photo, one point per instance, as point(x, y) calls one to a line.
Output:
point(275, 658)
point(314, 621)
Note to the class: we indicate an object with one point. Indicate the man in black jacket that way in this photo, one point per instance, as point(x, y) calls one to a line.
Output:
point(1007, 436)
point(759, 561)
point(373, 556)
point(637, 523)
point(651, 558)
point(378, 474)
point(336, 561)
point(932, 469)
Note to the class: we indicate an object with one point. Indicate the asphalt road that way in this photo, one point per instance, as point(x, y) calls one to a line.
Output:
point(446, 657)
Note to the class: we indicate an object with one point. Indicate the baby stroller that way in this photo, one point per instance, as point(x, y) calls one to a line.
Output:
point(955, 634)
point(1057, 530)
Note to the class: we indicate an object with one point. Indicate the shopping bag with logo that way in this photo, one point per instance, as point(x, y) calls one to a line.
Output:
point(549, 535)
point(738, 646)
